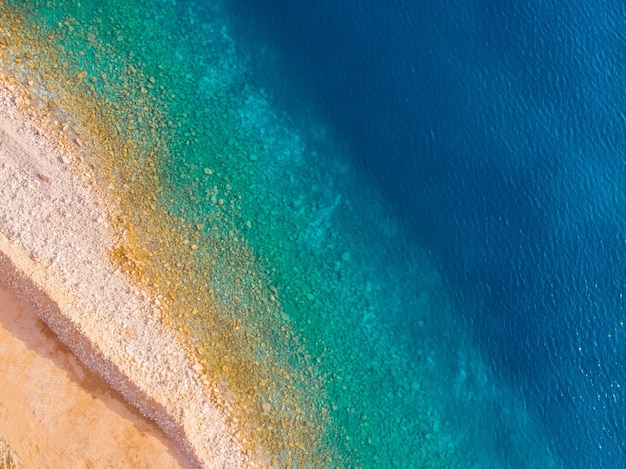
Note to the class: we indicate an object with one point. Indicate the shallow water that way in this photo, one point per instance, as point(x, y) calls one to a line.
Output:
point(497, 133)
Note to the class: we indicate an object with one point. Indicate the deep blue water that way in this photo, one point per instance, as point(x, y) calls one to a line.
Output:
point(497, 131)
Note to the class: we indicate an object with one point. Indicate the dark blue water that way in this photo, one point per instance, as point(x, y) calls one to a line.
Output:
point(497, 130)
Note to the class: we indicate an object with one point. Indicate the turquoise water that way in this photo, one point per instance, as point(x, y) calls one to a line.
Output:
point(496, 132)
point(251, 158)
point(380, 304)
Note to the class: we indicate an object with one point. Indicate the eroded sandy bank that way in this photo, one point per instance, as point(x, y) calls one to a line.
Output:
point(56, 413)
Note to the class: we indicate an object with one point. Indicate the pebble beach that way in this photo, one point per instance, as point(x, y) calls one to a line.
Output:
point(54, 256)
point(193, 232)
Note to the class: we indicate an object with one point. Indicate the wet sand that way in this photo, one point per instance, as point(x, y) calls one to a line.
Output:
point(56, 413)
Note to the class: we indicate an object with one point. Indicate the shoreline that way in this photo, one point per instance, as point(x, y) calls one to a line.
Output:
point(53, 251)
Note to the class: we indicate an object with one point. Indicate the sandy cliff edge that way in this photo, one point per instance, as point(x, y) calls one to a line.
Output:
point(55, 413)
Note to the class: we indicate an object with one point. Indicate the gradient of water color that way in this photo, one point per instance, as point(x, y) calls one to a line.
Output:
point(406, 216)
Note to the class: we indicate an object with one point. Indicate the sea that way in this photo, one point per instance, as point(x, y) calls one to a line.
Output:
point(434, 189)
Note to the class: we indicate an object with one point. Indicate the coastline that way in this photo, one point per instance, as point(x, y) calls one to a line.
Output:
point(219, 258)
point(53, 252)
point(257, 394)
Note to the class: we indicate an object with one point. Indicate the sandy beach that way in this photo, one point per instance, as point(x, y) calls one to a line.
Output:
point(53, 255)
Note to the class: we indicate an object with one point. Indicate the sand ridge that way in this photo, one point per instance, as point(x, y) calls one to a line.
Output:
point(53, 247)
